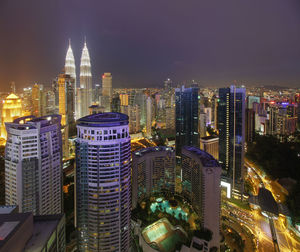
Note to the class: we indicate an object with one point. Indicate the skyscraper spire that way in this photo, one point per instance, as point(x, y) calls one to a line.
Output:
point(85, 81)
point(70, 63)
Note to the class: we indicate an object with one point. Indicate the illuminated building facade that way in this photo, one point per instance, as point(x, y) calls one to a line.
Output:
point(85, 92)
point(33, 165)
point(210, 144)
point(107, 85)
point(70, 69)
point(201, 180)
point(11, 109)
point(66, 88)
point(36, 100)
point(187, 118)
point(103, 181)
point(149, 116)
point(153, 170)
point(231, 125)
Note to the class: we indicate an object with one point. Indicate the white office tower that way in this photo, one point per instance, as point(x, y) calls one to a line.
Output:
point(70, 69)
point(33, 165)
point(201, 179)
point(103, 182)
point(85, 95)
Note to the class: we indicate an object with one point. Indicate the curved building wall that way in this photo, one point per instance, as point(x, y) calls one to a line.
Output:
point(103, 185)
point(153, 170)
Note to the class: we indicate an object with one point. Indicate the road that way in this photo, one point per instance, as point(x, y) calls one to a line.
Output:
point(286, 240)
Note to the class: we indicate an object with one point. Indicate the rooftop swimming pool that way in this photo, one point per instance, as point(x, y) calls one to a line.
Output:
point(164, 206)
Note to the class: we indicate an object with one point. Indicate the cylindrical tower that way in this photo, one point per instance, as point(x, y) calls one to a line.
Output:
point(103, 182)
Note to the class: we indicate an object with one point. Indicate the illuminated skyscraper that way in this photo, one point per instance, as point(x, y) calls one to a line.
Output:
point(107, 84)
point(149, 116)
point(103, 181)
point(107, 90)
point(36, 100)
point(70, 67)
point(66, 108)
point(85, 96)
point(11, 109)
point(33, 165)
point(231, 125)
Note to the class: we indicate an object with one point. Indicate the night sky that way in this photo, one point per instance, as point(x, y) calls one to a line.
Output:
point(144, 42)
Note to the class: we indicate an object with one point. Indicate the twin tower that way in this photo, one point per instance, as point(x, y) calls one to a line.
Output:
point(84, 93)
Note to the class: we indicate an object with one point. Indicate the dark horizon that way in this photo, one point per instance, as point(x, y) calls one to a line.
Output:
point(142, 44)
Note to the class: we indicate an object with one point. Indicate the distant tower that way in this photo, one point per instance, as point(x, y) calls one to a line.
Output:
point(149, 116)
point(11, 110)
point(103, 182)
point(13, 87)
point(70, 67)
point(86, 89)
point(231, 125)
point(107, 90)
point(107, 84)
point(33, 165)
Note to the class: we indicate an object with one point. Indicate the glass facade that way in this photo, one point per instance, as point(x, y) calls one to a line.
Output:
point(187, 119)
point(231, 125)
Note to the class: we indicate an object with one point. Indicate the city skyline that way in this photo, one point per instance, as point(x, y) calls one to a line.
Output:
point(213, 43)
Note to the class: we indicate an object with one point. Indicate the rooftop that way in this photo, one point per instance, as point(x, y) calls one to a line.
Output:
point(153, 149)
point(163, 236)
point(267, 202)
point(104, 119)
point(43, 227)
point(207, 160)
point(209, 138)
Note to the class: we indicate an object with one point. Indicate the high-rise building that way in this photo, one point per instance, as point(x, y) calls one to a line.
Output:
point(167, 83)
point(11, 109)
point(36, 100)
point(115, 103)
point(201, 180)
point(187, 119)
point(33, 165)
point(149, 117)
point(70, 69)
point(85, 95)
point(210, 144)
point(249, 125)
point(103, 181)
point(107, 84)
point(66, 90)
point(231, 125)
point(97, 93)
point(134, 114)
point(27, 100)
point(153, 170)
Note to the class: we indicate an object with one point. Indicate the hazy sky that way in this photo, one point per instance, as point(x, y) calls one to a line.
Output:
point(142, 42)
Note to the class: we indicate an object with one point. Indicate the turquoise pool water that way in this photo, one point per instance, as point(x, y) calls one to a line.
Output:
point(164, 206)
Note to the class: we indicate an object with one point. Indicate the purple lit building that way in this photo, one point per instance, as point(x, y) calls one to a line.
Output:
point(103, 177)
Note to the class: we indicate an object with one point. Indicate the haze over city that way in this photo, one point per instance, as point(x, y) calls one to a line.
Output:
point(144, 42)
